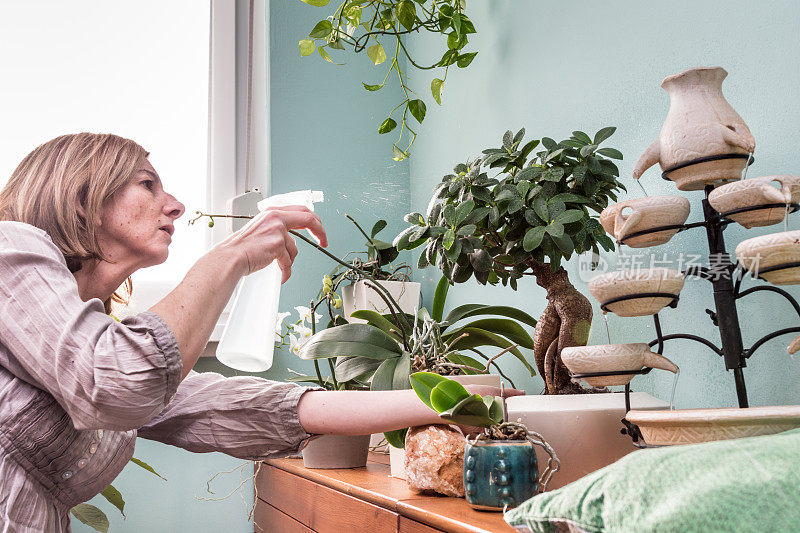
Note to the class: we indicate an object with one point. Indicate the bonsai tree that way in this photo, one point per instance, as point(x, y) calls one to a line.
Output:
point(526, 220)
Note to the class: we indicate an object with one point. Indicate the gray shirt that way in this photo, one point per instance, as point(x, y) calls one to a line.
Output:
point(77, 387)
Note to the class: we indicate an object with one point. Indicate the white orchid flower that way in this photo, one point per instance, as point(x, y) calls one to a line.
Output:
point(279, 326)
point(294, 344)
point(305, 314)
point(304, 332)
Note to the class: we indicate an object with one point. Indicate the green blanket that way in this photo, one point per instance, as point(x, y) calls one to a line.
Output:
point(742, 485)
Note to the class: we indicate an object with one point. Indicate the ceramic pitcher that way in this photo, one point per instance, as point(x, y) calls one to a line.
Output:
point(700, 123)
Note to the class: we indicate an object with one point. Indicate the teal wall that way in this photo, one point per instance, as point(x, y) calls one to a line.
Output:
point(559, 66)
point(323, 136)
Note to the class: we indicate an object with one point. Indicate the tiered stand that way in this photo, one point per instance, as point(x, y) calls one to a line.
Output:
point(726, 278)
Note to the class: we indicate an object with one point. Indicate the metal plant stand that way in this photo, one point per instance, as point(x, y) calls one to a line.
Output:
point(726, 279)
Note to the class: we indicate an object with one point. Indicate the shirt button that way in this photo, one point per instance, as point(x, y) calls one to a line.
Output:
point(82, 463)
point(67, 474)
point(99, 433)
point(93, 448)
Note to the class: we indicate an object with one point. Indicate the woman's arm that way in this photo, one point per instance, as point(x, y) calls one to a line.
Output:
point(191, 310)
point(364, 412)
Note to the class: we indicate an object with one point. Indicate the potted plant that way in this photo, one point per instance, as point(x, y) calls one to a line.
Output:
point(528, 219)
point(500, 466)
point(326, 451)
point(394, 345)
point(370, 25)
point(396, 280)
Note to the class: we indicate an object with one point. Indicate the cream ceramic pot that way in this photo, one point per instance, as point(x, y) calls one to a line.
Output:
point(630, 216)
point(774, 249)
point(610, 358)
point(700, 123)
point(783, 189)
point(614, 285)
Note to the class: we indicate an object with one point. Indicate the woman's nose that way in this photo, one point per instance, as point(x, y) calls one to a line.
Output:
point(173, 208)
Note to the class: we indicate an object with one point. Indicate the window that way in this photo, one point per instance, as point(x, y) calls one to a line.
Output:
point(170, 75)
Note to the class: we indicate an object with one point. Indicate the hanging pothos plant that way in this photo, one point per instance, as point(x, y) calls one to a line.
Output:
point(380, 25)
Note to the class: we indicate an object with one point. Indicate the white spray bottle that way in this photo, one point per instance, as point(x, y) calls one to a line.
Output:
point(248, 340)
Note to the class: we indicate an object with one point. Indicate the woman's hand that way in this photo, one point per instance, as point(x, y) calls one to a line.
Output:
point(266, 238)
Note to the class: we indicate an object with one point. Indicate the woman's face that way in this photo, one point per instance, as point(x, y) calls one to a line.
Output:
point(136, 223)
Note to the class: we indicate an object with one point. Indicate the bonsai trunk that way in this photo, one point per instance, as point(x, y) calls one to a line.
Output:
point(565, 322)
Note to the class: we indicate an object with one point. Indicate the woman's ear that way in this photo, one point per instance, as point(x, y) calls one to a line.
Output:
point(79, 207)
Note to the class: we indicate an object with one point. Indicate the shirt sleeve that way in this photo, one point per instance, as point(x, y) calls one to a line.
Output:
point(245, 416)
point(105, 374)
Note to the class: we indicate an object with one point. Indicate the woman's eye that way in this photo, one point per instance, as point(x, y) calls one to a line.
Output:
point(149, 184)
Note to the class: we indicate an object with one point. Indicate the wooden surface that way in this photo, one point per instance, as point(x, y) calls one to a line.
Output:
point(359, 499)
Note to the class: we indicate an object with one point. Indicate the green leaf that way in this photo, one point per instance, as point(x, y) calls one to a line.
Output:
point(91, 516)
point(564, 244)
point(463, 209)
point(467, 230)
point(523, 187)
point(351, 340)
point(423, 384)
point(414, 218)
point(470, 411)
point(449, 239)
point(437, 86)
point(376, 54)
point(325, 55)
point(587, 150)
point(306, 47)
point(465, 59)
point(317, 3)
point(402, 373)
point(540, 206)
point(555, 229)
point(582, 137)
point(114, 497)
point(349, 368)
point(418, 109)
point(372, 87)
point(387, 125)
point(553, 174)
point(439, 297)
point(450, 214)
point(396, 438)
point(383, 377)
point(146, 466)
point(398, 154)
point(376, 319)
point(569, 197)
point(571, 215)
point(447, 395)
point(479, 337)
point(461, 359)
point(378, 227)
point(406, 13)
point(549, 143)
point(321, 30)
point(529, 173)
point(454, 251)
point(610, 152)
point(480, 260)
point(509, 329)
point(533, 238)
point(604, 134)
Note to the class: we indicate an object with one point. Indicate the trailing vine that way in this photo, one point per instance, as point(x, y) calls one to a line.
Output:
point(370, 24)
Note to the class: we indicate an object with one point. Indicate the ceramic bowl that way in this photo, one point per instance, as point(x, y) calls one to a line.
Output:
point(690, 426)
point(697, 177)
point(613, 285)
point(782, 189)
point(630, 216)
point(774, 249)
point(610, 358)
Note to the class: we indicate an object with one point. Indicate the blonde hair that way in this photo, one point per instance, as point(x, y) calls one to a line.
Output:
point(48, 186)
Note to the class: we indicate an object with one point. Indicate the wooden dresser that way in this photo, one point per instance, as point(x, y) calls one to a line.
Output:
point(294, 499)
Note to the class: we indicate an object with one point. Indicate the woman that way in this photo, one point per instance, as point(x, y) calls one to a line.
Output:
point(79, 215)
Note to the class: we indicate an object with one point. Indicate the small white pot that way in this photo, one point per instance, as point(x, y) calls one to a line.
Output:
point(478, 379)
point(336, 451)
point(397, 462)
point(359, 296)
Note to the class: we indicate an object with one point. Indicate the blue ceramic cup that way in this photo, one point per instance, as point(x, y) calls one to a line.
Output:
point(499, 474)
